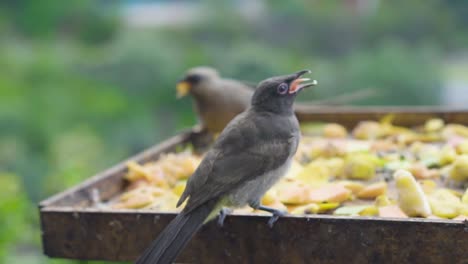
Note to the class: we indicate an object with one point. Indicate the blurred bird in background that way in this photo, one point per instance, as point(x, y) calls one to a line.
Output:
point(218, 100)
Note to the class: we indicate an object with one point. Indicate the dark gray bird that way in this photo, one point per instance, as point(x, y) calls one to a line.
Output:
point(250, 155)
point(218, 100)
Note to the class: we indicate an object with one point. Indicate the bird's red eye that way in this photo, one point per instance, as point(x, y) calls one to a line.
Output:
point(282, 88)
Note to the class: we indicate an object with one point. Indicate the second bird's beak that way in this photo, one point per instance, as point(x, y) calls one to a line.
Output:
point(183, 88)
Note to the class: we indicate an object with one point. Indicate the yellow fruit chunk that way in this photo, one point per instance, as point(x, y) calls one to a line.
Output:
point(368, 130)
point(330, 193)
point(465, 197)
point(314, 208)
point(294, 170)
point(369, 211)
point(360, 166)
point(323, 207)
point(420, 171)
point(462, 148)
point(136, 172)
point(455, 129)
point(383, 200)
point(391, 211)
point(143, 190)
point(293, 192)
point(351, 210)
point(447, 155)
point(333, 130)
point(167, 202)
point(178, 166)
point(463, 210)
point(411, 198)
point(459, 170)
point(314, 175)
point(433, 125)
point(373, 190)
point(354, 187)
point(270, 197)
point(179, 188)
point(444, 203)
point(312, 128)
point(335, 165)
point(428, 186)
point(140, 197)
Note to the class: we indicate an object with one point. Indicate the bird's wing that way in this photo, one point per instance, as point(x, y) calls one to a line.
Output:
point(239, 155)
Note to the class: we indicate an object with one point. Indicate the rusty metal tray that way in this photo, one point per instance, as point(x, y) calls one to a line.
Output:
point(72, 229)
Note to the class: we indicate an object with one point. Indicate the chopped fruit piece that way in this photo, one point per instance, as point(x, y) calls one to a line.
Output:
point(293, 192)
point(360, 166)
point(351, 210)
point(391, 211)
point(465, 197)
point(459, 170)
point(373, 190)
point(330, 193)
point(333, 130)
point(179, 187)
point(368, 130)
point(354, 187)
point(445, 204)
point(433, 125)
point(270, 197)
point(314, 175)
point(411, 198)
point(383, 200)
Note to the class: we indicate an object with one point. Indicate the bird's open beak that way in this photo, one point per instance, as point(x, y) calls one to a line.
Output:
point(183, 88)
point(301, 83)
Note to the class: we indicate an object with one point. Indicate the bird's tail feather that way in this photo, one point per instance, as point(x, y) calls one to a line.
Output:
point(176, 235)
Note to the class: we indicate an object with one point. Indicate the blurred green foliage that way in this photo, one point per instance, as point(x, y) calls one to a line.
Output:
point(13, 208)
point(79, 90)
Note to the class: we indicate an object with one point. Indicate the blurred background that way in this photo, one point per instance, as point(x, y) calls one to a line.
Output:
point(87, 83)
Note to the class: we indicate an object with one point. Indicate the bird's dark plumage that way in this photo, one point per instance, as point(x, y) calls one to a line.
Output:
point(250, 155)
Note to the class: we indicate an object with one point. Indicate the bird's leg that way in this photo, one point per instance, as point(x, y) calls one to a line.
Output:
point(222, 215)
point(276, 213)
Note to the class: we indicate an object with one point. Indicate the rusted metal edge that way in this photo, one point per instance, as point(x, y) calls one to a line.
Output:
point(60, 209)
point(248, 239)
point(158, 148)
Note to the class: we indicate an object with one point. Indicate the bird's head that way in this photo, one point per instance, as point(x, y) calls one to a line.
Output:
point(277, 94)
point(195, 78)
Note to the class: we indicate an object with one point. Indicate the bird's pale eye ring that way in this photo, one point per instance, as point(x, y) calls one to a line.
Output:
point(282, 88)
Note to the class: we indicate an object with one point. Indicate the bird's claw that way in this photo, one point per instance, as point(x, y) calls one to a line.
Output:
point(276, 215)
point(222, 216)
